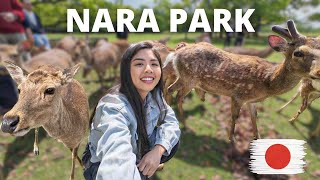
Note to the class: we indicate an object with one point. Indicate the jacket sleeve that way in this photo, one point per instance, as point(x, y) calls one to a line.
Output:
point(168, 133)
point(17, 10)
point(118, 160)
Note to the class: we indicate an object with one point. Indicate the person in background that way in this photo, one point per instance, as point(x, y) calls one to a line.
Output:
point(11, 19)
point(227, 41)
point(133, 129)
point(32, 21)
point(11, 32)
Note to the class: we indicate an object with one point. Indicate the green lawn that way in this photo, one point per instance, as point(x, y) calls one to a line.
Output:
point(204, 152)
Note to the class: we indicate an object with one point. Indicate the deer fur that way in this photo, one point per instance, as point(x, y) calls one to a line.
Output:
point(250, 51)
point(164, 40)
point(77, 48)
point(169, 77)
point(55, 57)
point(247, 79)
point(104, 55)
point(50, 98)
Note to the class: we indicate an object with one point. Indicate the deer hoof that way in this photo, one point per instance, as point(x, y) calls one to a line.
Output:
point(292, 119)
point(257, 136)
point(232, 139)
point(36, 152)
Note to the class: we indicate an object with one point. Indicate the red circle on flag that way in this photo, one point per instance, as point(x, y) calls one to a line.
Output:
point(278, 156)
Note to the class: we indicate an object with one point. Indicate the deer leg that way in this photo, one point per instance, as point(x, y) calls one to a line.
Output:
point(114, 72)
point(235, 110)
point(180, 96)
point(100, 76)
point(74, 156)
point(167, 96)
point(201, 94)
point(78, 158)
point(36, 142)
point(253, 115)
point(176, 86)
point(291, 100)
point(304, 105)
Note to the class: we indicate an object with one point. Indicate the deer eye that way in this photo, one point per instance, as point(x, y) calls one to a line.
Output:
point(49, 91)
point(298, 54)
point(291, 44)
point(19, 91)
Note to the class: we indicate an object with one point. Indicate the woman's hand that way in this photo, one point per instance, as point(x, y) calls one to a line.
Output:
point(150, 161)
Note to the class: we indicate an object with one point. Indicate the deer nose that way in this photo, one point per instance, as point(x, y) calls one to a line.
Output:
point(9, 124)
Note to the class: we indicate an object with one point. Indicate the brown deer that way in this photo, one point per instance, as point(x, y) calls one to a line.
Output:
point(247, 79)
point(54, 57)
point(77, 48)
point(169, 77)
point(250, 51)
point(50, 98)
point(164, 40)
point(103, 56)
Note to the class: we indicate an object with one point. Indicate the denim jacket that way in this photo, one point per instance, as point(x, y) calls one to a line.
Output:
point(113, 137)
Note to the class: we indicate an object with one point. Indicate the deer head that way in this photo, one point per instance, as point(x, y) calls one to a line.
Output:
point(302, 53)
point(39, 97)
point(82, 51)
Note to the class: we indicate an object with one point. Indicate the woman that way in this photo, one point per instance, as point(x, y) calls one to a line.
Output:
point(133, 129)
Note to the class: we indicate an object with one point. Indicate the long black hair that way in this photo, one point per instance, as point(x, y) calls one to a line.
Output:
point(129, 90)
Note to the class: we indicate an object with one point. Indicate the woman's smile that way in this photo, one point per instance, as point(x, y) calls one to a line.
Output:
point(147, 80)
point(145, 71)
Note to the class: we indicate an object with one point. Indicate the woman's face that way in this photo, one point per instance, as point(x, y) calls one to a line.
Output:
point(145, 71)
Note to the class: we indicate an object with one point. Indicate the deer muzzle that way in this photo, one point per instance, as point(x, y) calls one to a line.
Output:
point(9, 124)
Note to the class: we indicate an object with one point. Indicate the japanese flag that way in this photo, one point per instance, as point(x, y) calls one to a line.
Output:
point(277, 156)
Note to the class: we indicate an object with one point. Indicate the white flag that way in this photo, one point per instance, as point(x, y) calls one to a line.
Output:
point(277, 156)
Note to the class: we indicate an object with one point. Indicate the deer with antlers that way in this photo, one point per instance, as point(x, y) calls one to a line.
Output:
point(247, 79)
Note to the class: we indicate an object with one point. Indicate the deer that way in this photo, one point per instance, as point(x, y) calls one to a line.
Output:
point(77, 48)
point(51, 98)
point(164, 40)
point(247, 79)
point(250, 51)
point(169, 77)
point(103, 56)
point(54, 57)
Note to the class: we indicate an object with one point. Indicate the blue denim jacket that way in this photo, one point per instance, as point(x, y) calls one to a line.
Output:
point(113, 137)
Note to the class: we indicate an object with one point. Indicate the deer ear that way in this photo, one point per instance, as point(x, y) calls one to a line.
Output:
point(15, 72)
point(277, 43)
point(69, 73)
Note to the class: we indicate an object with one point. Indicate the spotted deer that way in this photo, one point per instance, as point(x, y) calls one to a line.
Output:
point(169, 77)
point(52, 99)
point(247, 79)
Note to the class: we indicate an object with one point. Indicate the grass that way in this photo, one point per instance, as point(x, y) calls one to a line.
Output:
point(191, 162)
